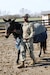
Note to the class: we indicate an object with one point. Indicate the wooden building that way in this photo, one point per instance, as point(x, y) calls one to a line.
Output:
point(46, 17)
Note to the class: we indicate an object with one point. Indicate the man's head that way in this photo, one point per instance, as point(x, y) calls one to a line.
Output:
point(26, 17)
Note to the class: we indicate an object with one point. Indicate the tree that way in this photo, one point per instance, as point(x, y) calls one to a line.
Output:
point(24, 11)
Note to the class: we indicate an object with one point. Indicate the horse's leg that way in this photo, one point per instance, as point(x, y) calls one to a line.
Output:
point(18, 56)
point(44, 46)
point(40, 48)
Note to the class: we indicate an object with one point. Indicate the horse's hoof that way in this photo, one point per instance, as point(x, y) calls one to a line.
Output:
point(21, 66)
point(39, 55)
point(44, 52)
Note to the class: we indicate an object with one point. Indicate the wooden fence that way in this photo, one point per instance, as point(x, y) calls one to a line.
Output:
point(45, 22)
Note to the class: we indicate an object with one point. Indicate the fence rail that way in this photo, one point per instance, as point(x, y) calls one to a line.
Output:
point(46, 22)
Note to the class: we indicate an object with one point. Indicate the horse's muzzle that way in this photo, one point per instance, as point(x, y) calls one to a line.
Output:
point(6, 36)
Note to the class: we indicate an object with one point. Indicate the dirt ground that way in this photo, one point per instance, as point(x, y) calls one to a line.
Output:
point(8, 56)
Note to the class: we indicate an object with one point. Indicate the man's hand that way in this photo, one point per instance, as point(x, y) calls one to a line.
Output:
point(26, 38)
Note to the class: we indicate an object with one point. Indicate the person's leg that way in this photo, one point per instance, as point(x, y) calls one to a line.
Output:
point(22, 54)
point(30, 49)
point(32, 54)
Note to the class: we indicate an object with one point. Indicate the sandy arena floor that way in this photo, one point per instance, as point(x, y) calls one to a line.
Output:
point(8, 56)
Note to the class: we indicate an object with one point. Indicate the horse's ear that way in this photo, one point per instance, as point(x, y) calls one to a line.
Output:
point(5, 20)
point(14, 19)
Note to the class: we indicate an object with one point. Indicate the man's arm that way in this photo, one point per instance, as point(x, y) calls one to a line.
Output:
point(32, 31)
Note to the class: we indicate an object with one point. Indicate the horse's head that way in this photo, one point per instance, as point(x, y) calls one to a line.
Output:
point(15, 28)
point(10, 29)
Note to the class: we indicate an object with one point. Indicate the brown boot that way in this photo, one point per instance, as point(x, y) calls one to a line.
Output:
point(34, 62)
point(22, 66)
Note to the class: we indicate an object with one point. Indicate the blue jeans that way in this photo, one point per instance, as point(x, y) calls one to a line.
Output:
point(18, 40)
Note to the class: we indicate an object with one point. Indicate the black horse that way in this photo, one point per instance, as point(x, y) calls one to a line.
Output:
point(40, 36)
point(43, 43)
point(16, 29)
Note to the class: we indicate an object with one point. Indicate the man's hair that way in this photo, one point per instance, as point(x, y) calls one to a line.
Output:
point(26, 16)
